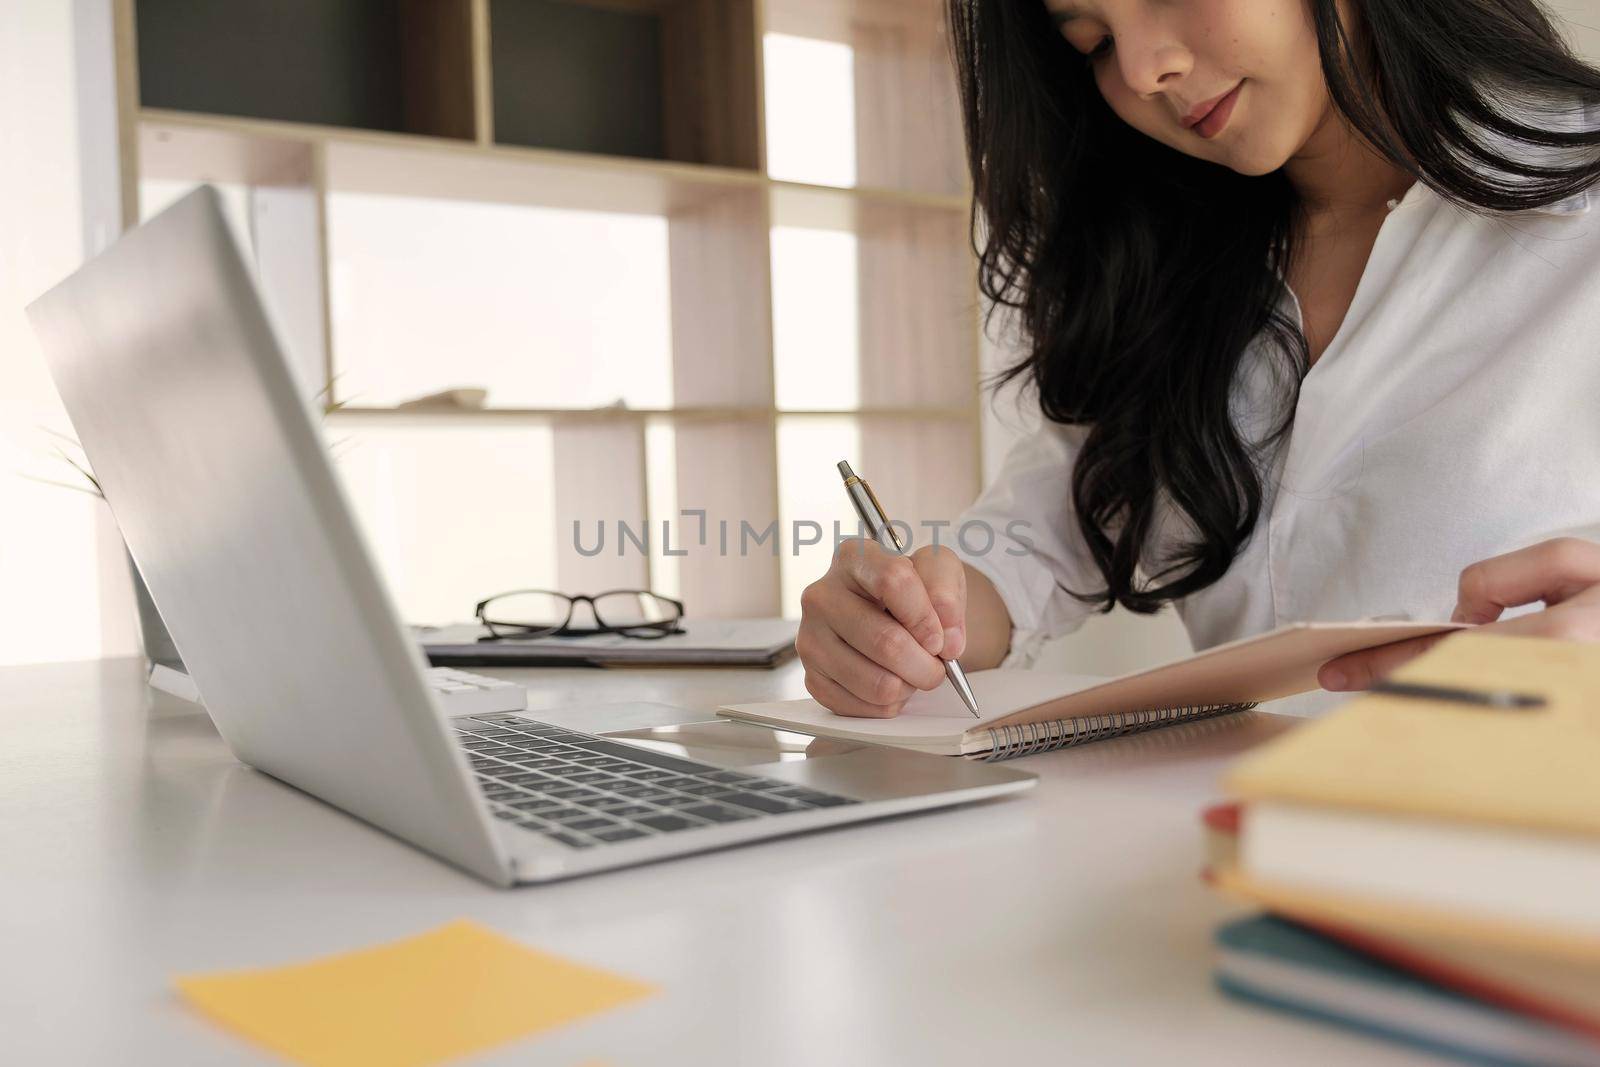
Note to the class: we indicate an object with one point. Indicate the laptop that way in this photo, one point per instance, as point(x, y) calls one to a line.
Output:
point(178, 386)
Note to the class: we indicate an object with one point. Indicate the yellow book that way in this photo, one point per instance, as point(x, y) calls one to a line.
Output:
point(1412, 812)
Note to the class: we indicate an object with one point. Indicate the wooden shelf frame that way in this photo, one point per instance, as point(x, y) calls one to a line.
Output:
point(919, 413)
point(202, 147)
point(617, 414)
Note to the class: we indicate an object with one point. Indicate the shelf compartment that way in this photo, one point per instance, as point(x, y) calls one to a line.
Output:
point(906, 113)
point(537, 304)
point(724, 468)
point(540, 307)
point(368, 64)
point(452, 513)
point(599, 475)
point(874, 302)
point(922, 469)
point(653, 79)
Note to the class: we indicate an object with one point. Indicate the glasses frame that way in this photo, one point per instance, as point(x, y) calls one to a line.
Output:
point(646, 631)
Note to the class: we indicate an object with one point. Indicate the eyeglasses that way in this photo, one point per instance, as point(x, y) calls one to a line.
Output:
point(525, 613)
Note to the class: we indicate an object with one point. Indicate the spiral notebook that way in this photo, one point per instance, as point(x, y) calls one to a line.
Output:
point(1027, 711)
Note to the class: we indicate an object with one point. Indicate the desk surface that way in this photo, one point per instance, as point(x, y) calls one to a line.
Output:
point(1066, 925)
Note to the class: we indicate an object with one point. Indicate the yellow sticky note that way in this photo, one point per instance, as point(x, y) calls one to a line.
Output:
point(426, 999)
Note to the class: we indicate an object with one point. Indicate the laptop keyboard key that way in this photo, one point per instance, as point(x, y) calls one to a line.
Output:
point(569, 839)
point(713, 813)
point(728, 776)
point(593, 778)
point(591, 823)
point(632, 811)
point(667, 823)
point(538, 805)
point(572, 792)
point(616, 749)
point(815, 799)
point(621, 834)
point(758, 801)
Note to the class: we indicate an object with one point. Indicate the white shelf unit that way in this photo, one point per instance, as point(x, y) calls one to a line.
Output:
point(909, 407)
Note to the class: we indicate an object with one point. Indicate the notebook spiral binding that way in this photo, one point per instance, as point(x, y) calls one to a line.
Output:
point(1024, 739)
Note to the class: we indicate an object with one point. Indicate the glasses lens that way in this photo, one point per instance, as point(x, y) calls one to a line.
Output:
point(534, 611)
point(634, 609)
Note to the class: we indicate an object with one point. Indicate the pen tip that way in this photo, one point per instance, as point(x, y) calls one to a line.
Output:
point(844, 469)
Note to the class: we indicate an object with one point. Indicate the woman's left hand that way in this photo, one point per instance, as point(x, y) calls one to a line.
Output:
point(1564, 573)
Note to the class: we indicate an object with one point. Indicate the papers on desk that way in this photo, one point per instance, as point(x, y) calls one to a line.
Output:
point(452, 991)
point(704, 642)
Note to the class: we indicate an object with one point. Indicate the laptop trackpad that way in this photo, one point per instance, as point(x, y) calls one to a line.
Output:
point(732, 744)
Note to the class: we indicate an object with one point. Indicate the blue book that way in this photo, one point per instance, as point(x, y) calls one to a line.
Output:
point(1269, 961)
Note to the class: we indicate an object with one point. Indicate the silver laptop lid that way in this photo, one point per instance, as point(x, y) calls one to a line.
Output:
point(186, 408)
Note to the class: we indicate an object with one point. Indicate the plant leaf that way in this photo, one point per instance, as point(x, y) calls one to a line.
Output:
point(63, 485)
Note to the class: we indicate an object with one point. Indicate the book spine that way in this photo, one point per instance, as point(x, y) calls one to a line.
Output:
point(1025, 739)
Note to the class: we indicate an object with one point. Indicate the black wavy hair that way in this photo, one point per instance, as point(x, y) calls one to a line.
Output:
point(1140, 275)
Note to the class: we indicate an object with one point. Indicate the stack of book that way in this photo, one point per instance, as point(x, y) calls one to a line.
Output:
point(1429, 860)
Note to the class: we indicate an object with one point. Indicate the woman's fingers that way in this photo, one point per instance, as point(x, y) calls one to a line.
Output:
point(831, 695)
point(946, 581)
point(1358, 670)
point(869, 631)
point(879, 637)
point(893, 581)
point(876, 690)
point(1563, 572)
point(1575, 618)
point(1551, 571)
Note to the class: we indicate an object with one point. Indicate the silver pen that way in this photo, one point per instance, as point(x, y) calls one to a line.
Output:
point(877, 523)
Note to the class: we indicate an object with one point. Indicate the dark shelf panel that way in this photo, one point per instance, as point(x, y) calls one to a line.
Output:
point(397, 65)
point(652, 79)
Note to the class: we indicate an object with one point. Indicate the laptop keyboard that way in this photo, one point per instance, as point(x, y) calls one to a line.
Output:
point(585, 791)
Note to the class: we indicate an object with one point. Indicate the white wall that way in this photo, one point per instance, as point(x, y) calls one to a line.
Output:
point(63, 586)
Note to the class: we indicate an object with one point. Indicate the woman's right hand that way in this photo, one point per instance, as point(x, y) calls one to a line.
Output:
point(874, 628)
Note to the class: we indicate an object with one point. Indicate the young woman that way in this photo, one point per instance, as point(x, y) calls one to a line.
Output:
point(1310, 291)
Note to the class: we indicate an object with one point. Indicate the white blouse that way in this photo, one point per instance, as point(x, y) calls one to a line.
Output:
point(1454, 416)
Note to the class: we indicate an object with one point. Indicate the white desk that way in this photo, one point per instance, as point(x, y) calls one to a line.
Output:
point(1065, 926)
